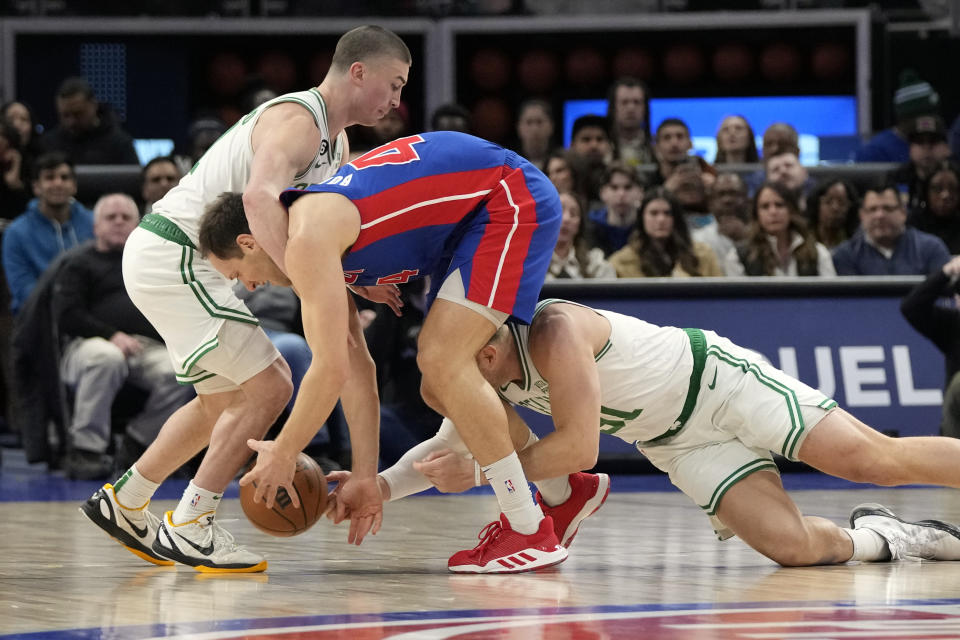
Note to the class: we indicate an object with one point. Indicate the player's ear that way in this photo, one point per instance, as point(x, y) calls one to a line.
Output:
point(358, 71)
point(246, 242)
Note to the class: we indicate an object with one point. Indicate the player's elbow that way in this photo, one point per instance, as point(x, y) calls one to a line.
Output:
point(255, 199)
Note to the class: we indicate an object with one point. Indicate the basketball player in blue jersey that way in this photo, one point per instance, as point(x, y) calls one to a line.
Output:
point(215, 343)
point(702, 409)
point(482, 222)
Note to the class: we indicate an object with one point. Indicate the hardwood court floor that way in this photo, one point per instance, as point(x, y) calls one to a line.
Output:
point(645, 566)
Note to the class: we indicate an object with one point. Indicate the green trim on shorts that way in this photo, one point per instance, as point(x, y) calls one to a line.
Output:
point(827, 404)
point(203, 296)
point(166, 229)
point(732, 479)
point(793, 405)
point(698, 344)
point(192, 380)
point(198, 353)
point(522, 357)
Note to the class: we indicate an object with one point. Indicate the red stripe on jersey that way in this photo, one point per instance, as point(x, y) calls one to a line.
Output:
point(504, 245)
point(410, 205)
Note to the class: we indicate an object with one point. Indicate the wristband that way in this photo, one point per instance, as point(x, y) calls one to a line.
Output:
point(477, 474)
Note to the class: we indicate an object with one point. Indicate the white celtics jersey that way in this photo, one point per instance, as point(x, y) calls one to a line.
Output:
point(226, 164)
point(645, 373)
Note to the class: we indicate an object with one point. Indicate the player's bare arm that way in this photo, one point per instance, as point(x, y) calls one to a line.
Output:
point(359, 498)
point(285, 140)
point(316, 243)
point(563, 353)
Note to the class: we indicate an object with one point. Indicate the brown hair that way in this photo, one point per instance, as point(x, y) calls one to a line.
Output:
point(759, 258)
point(369, 41)
point(678, 248)
point(223, 220)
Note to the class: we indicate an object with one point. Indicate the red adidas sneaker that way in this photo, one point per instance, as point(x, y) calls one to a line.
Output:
point(588, 492)
point(503, 550)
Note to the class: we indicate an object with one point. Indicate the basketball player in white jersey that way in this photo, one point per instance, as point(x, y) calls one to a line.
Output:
point(215, 342)
point(703, 410)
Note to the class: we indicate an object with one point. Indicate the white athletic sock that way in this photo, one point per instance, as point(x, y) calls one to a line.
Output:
point(133, 490)
point(554, 491)
point(195, 503)
point(513, 493)
point(868, 545)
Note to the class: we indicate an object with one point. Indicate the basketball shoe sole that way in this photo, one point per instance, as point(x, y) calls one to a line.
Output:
point(103, 510)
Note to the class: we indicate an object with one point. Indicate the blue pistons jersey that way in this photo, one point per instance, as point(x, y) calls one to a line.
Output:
point(437, 202)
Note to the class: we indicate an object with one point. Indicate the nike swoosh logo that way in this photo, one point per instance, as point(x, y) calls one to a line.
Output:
point(140, 531)
point(714, 383)
point(207, 550)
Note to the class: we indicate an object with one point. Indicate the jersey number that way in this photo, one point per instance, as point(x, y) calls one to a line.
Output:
point(400, 151)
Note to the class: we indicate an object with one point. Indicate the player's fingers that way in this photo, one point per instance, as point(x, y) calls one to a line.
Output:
point(269, 495)
point(294, 496)
point(247, 478)
point(363, 527)
point(377, 521)
point(256, 445)
point(338, 476)
point(439, 453)
point(341, 512)
point(258, 494)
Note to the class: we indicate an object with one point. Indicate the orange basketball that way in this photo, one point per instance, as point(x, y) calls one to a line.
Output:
point(284, 519)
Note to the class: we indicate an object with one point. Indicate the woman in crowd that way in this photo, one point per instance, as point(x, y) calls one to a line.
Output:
point(736, 142)
point(573, 257)
point(780, 243)
point(833, 211)
point(941, 216)
point(661, 245)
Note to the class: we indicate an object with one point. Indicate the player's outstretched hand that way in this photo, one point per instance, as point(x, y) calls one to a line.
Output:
point(449, 472)
point(361, 501)
point(272, 471)
point(333, 498)
point(388, 294)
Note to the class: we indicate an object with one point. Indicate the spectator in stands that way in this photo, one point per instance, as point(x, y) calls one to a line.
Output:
point(661, 245)
point(731, 211)
point(201, 133)
point(451, 117)
point(574, 257)
point(689, 183)
point(535, 131)
point(672, 148)
point(20, 116)
point(628, 110)
point(778, 138)
point(941, 325)
point(87, 132)
point(590, 150)
point(785, 168)
point(13, 181)
point(780, 243)
point(914, 98)
point(833, 213)
point(885, 245)
point(52, 223)
point(941, 215)
point(561, 172)
point(109, 344)
point(158, 176)
point(928, 148)
point(609, 227)
point(736, 142)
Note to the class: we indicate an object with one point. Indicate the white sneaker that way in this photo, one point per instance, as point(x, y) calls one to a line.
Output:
point(926, 539)
point(135, 529)
point(205, 545)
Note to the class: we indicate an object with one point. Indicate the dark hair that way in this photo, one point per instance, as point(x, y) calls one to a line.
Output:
point(75, 85)
point(223, 220)
point(851, 219)
point(11, 133)
point(879, 187)
point(451, 110)
point(672, 122)
point(52, 160)
point(758, 256)
point(657, 261)
point(589, 121)
point(365, 42)
point(752, 155)
point(157, 160)
point(614, 168)
point(581, 241)
point(629, 83)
